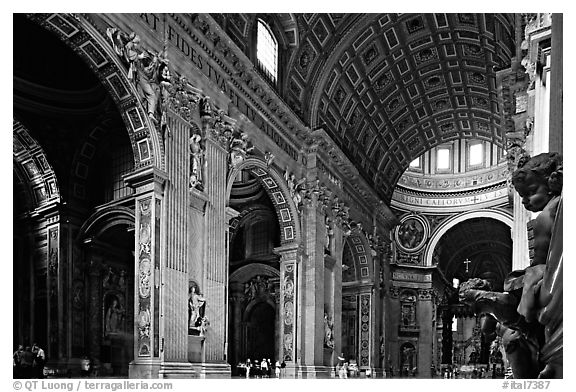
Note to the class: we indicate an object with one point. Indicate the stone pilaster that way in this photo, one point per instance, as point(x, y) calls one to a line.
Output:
point(393, 355)
point(236, 302)
point(94, 314)
point(312, 284)
point(149, 189)
point(424, 313)
point(337, 250)
point(520, 252)
point(288, 305)
point(366, 330)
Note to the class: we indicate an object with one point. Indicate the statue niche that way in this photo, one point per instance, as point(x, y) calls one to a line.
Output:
point(528, 314)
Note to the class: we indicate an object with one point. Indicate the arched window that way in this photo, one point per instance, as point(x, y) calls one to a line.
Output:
point(267, 51)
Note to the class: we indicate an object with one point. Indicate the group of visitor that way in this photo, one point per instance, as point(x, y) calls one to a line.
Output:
point(28, 362)
point(262, 369)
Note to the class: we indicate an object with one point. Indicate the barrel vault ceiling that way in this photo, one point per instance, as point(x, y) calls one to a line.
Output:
point(388, 87)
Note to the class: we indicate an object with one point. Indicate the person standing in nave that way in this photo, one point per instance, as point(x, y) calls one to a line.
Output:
point(39, 360)
point(17, 362)
point(26, 363)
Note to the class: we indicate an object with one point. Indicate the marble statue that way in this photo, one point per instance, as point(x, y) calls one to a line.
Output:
point(529, 312)
point(196, 302)
point(328, 332)
point(196, 162)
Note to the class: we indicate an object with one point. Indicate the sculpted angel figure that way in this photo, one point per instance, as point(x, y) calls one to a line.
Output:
point(528, 315)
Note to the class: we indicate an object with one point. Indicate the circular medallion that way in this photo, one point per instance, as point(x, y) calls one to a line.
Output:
point(412, 232)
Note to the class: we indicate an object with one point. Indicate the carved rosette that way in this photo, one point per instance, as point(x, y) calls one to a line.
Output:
point(394, 292)
point(365, 329)
point(425, 294)
point(144, 277)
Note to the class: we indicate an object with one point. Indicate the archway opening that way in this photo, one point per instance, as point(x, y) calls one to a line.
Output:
point(254, 274)
point(260, 332)
point(474, 248)
point(109, 283)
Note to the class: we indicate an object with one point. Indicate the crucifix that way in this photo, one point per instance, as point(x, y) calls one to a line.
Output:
point(467, 262)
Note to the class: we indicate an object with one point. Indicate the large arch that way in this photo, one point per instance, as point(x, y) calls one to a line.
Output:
point(91, 45)
point(277, 190)
point(362, 256)
point(31, 166)
point(493, 213)
point(251, 270)
point(102, 220)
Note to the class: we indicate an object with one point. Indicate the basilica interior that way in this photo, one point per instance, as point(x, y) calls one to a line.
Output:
point(191, 191)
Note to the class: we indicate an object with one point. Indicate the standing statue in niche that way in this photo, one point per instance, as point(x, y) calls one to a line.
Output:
point(328, 332)
point(529, 313)
point(196, 307)
point(196, 162)
point(114, 317)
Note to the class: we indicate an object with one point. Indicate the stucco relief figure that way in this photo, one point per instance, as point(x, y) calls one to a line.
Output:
point(239, 148)
point(530, 312)
point(196, 304)
point(205, 107)
point(411, 233)
point(146, 69)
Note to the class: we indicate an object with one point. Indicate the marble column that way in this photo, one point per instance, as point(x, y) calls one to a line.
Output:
point(288, 305)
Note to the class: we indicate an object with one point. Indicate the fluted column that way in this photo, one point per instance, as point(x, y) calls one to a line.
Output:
point(174, 244)
point(215, 268)
point(520, 253)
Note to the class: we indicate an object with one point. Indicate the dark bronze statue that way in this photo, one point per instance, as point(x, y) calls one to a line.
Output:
point(528, 314)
